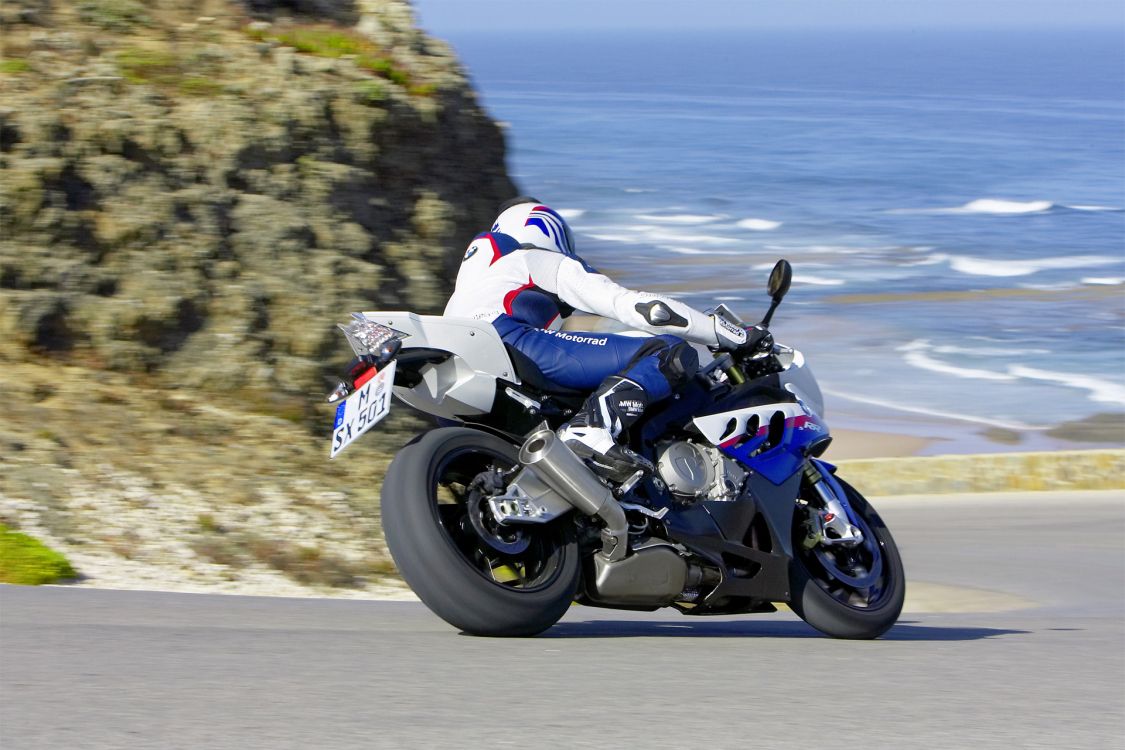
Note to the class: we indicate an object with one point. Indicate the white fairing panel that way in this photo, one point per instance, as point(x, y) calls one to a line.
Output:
point(731, 426)
point(462, 385)
point(797, 379)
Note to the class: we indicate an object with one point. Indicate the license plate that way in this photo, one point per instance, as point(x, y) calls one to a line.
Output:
point(360, 411)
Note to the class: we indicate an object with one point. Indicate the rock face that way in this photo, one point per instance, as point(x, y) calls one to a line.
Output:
point(182, 192)
point(192, 194)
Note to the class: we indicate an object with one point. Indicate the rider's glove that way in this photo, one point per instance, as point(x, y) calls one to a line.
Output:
point(758, 339)
point(735, 338)
point(731, 336)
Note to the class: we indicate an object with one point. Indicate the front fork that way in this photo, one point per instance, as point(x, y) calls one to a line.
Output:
point(831, 523)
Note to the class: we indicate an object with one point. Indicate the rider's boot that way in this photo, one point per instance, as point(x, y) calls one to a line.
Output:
point(593, 432)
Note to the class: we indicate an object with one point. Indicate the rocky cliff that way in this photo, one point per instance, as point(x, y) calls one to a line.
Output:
point(191, 195)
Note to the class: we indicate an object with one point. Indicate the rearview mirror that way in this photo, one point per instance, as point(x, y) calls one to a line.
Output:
point(780, 278)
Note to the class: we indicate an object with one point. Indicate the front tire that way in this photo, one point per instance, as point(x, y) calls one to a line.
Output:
point(479, 577)
point(821, 594)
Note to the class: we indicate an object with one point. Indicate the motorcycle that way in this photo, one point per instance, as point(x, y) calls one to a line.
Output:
point(498, 527)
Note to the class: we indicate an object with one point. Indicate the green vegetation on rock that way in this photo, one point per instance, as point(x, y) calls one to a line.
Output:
point(141, 65)
point(113, 15)
point(26, 561)
point(371, 92)
point(14, 66)
point(336, 42)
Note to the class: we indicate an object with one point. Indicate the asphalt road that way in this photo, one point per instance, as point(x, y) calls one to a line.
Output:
point(1039, 661)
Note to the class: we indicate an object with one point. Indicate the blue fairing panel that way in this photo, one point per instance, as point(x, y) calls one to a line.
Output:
point(783, 456)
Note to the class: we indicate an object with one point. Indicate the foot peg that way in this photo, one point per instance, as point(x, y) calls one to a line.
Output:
point(616, 463)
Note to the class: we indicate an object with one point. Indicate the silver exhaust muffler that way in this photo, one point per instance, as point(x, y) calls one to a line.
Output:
point(557, 466)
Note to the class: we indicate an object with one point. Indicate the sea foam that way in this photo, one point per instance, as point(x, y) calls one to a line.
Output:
point(973, 266)
point(915, 354)
point(758, 225)
point(1002, 207)
point(684, 219)
point(697, 251)
point(1101, 391)
point(987, 351)
point(816, 280)
point(820, 249)
point(999, 207)
point(950, 415)
point(992, 206)
point(656, 235)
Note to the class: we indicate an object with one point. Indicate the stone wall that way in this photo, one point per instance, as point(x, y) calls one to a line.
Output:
point(995, 472)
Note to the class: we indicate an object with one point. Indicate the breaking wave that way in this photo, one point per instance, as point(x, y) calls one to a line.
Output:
point(998, 207)
point(820, 249)
point(1004, 208)
point(683, 219)
point(942, 414)
point(987, 351)
point(917, 354)
point(1102, 391)
point(758, 225)
point(697, 251)
point(816, 280)
point(973, 266)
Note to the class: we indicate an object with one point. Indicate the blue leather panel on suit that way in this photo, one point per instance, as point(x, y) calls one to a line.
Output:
point(582, 360)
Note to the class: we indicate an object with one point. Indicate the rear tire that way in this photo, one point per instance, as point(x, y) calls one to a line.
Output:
point(832, 607)
point(450, 559)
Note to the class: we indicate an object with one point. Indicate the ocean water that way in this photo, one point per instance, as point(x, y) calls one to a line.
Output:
point(953, 203)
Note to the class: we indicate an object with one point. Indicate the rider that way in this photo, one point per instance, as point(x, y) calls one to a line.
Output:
point(524, 277)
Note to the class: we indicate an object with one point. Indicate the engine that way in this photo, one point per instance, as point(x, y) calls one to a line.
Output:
point(698, 472)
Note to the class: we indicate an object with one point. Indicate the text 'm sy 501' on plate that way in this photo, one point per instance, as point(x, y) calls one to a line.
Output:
point(363, 409)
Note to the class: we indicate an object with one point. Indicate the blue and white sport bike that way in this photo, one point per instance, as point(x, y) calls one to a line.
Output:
point(499, 527)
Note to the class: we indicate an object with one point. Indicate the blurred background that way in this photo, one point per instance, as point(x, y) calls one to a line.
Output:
point(192, 194)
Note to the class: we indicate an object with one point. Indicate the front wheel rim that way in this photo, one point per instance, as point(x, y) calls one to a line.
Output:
point(856, 577)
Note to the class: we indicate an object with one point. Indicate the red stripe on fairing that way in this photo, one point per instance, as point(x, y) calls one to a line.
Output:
point(800, 421)
point(364, 378)
point(510, 297)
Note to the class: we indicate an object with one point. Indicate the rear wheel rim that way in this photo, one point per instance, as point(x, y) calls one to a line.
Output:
point(522, 558)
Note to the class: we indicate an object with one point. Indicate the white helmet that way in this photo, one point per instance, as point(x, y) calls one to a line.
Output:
point(535, 225)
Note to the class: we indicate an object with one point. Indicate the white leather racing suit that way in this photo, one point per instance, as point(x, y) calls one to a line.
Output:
point(540, 287)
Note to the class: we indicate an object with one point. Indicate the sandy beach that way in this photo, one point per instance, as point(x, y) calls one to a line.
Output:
point(848, 444)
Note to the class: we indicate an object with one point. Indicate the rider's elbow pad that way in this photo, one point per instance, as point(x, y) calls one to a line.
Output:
point(659, 314)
